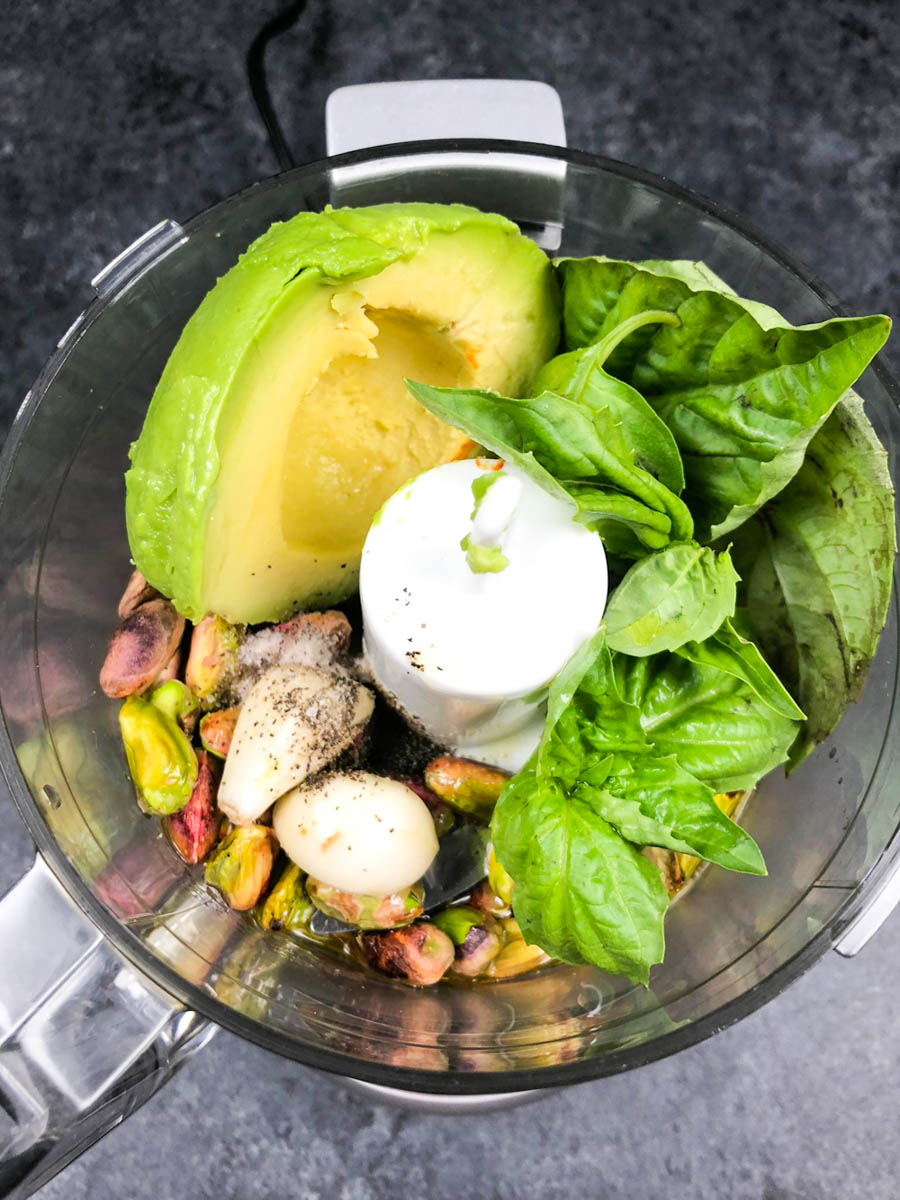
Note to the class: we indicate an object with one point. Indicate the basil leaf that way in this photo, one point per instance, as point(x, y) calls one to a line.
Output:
point(579, 375)
point(563, 826)
point(699, 276)
point(571, 450)
point(582, 892)
point(822, 554)
point(627, 526)
point(713, 722)
point(680, 594)
point(738, 656)
point(654, 801)
point(587, 719)
point(587, 658)
point(742, 397)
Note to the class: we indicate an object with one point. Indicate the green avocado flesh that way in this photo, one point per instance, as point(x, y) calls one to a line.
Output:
point(282, 421)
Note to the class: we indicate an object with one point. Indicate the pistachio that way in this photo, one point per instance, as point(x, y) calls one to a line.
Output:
point(368, 912)
point(475, 936)
point(171, 670)
point(500, 882)
point(217, 730)
point(287, 906)
point(420, 954)
point(241, 865)
point(193, 831)
point(177, 701)
point(667, 862)
point(517, 956)
point(477, 952)
point(140, 648)
point(441, 813)
point(212, 661)
point(484, 897)
point(456, 922)
point(332, 625)
point(414, 1058)
point(470, 787)
point(137, 592)
point(162, 761)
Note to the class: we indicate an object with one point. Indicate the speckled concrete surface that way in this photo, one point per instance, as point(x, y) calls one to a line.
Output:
point(114, 115)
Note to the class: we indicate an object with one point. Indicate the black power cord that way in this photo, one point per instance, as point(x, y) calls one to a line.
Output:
point(259, 83)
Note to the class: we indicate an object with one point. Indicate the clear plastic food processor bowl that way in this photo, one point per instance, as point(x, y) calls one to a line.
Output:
point(101, 998)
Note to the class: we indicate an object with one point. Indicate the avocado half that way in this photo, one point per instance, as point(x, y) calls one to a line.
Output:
point(282, 422)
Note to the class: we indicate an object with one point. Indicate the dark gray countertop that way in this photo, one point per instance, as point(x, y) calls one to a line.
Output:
point(115, 115)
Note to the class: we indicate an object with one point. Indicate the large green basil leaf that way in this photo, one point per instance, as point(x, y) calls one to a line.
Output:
point(742, 397)
point(699, 277)
point(713, 722)
point(652, 800)
point(728, 651)
point(579, 375)
point(572, 450)
point(583, 893)
point(587, 719)
point(589, 677)
point(818, 580)
point(677, 595)
point(563, 825)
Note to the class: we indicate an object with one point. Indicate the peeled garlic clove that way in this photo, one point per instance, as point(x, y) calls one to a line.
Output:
point(357, 832)
point(295, 721)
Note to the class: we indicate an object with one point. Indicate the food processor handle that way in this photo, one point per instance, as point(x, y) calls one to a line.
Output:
point(83, 1040)
point(379, 114)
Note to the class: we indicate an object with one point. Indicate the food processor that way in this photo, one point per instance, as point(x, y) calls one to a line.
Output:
point(118, 963)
